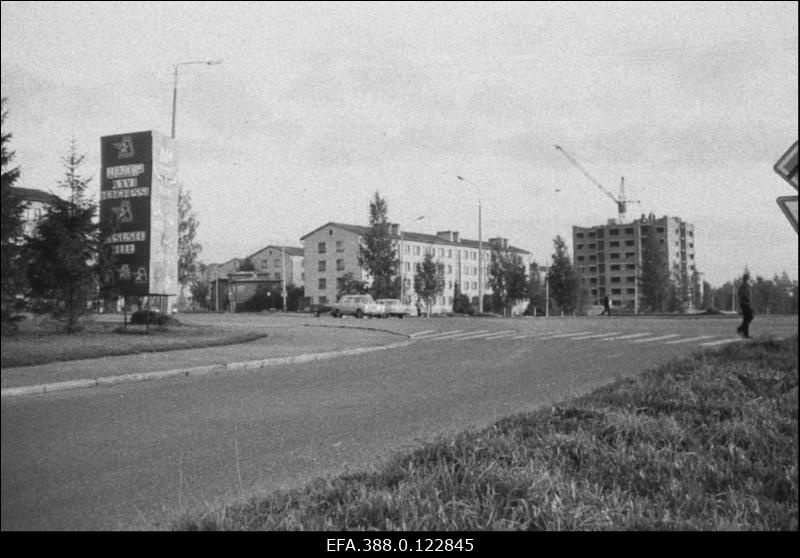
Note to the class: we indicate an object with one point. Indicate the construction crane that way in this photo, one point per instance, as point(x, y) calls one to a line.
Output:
point(621, 201)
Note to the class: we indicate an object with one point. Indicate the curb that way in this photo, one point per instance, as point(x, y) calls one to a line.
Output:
point(195, 371)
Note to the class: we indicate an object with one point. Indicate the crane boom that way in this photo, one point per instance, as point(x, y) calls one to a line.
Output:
point(586, 174)
point(622, 203)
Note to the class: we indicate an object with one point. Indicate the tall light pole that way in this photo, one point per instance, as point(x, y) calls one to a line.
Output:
point(480, 246)
point(175, 85)
point(402, 263)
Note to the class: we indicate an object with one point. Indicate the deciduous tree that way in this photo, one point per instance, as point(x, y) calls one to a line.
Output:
point(429, 281)
point(562, 278)
point(188, 248)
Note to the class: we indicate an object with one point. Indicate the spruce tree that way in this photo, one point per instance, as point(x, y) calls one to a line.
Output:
point(12, 209)
point(377, 254)
point(64, 251)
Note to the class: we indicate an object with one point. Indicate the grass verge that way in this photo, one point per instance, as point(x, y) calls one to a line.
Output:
point(705, 443)
point(97, 340)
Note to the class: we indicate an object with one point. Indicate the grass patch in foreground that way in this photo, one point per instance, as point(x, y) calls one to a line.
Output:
point(97, 340)
point(704, 443)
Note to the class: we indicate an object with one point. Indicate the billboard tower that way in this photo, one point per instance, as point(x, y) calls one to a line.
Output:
point(139, 200)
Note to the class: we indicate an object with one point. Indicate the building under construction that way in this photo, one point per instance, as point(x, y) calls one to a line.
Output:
point(608, 258)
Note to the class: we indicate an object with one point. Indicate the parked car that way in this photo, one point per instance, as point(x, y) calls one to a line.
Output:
point(395, 308)
point(358, 306)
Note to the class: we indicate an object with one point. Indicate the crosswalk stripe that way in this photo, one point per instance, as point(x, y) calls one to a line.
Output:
point(562, 335)
point(624, 337)
point(422, 333)
point(649, 339)
point(470, 334)
point(678, 341)
point(444, 334)
point(724, 341)
point(595, 336)
point(499, 334)
point(475, 336)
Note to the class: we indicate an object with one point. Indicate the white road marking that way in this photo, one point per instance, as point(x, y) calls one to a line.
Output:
point(500, 334)
point(631, 336)
point(422, 333)
point(714, 343)
point(689, 340)
point(564, 335)
point(655, 338)
point(444, 334)
point(595, 336)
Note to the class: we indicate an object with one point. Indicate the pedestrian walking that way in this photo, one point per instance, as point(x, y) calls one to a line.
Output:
point(745, 305)
point(606, 306)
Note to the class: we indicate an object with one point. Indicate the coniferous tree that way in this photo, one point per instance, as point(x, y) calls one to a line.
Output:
point(63, 254)
point(429, 281)
point(562, 278)
point(377, 255)
point(12, 209)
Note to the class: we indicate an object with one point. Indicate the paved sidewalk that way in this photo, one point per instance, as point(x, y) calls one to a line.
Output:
point(281, 346)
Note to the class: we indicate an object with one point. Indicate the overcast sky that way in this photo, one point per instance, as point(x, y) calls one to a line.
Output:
point(318, 105)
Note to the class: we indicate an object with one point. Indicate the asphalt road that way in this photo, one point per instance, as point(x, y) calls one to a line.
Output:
point(133, 456)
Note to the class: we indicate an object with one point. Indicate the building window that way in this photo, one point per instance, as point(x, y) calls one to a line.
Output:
point(321, 265)
point(629, 230)
point(416, 250)
point(339, 265)
point(277, 276)
point(322, 284)
point(339, 283)
point(629, 243)
point(449, 253)
point(616, 279)
point(407, 266)
point(340, 245)
point(615, 267)
point(579, 235)
point(277, 263)
point(449, 268)
point(614, 256)
point(323, 300)
point(321, 248)
point(613, 232)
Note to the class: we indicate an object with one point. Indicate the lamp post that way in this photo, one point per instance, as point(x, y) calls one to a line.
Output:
point(402, 263)
point(480, 247)
point(175, 85)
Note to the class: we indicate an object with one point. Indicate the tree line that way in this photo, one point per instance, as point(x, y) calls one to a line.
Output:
point(59, 265)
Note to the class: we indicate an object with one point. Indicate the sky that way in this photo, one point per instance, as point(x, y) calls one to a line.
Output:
point(317, 106)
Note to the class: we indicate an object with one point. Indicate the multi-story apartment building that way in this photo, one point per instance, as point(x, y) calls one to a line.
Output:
point(279, 263)
point(36, 204)
point(608, 258)
point(331, 252)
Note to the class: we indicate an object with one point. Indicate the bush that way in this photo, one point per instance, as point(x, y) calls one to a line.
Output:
point(140, 317)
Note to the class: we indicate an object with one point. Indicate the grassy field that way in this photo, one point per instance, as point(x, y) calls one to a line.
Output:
point(706, 443)
point(40, 342)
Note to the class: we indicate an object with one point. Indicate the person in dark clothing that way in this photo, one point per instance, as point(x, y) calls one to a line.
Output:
point(606, 306)
point(745, 305)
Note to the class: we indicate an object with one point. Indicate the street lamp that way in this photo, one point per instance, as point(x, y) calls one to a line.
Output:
point(480, 247)
point(402, 263)
point(175, 86)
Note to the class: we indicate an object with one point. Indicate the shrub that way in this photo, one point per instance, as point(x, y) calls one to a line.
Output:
point(140, 317)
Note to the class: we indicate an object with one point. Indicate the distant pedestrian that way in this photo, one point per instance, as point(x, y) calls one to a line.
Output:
point(419, 309)
point(745, 304)
point(606, 306)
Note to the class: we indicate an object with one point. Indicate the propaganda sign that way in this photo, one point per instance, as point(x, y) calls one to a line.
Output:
point(139, 203)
